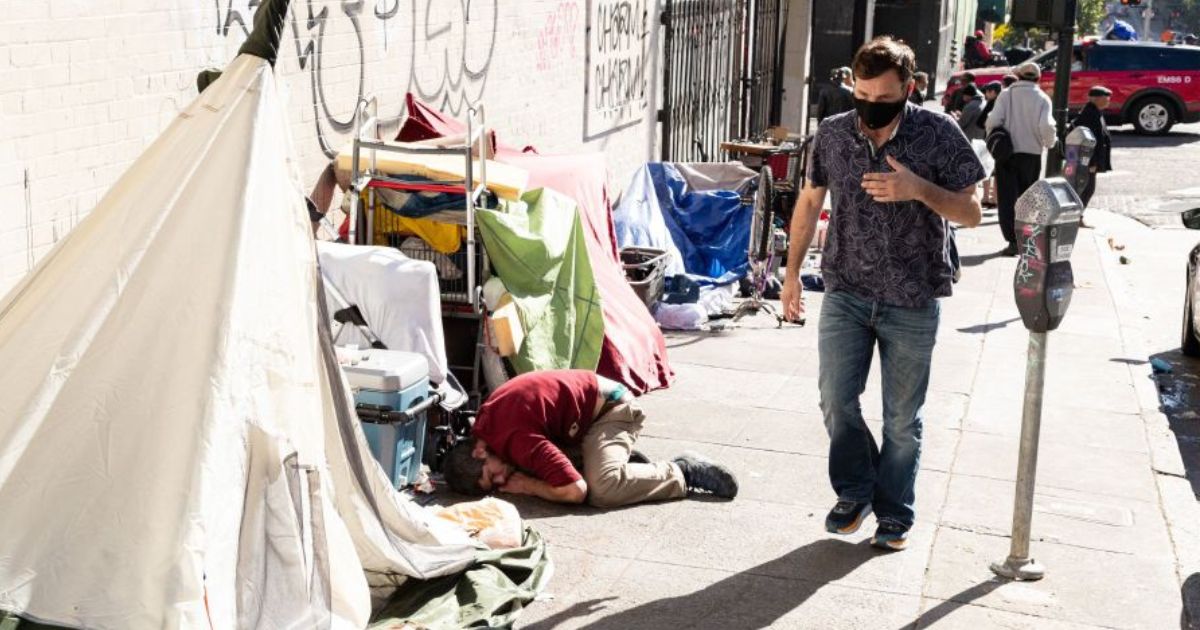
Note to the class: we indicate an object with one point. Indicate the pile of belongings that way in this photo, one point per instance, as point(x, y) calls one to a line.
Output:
point(178, 447)
point(700, 214)
point(554, 251)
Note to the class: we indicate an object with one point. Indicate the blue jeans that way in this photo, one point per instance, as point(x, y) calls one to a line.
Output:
point(848, 330)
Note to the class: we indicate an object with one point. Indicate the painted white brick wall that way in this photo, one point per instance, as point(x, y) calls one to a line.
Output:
point(86, 85)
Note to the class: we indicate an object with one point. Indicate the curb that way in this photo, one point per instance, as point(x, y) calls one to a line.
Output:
point(1177, 500)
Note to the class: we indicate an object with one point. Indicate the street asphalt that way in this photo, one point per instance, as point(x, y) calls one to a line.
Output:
point(1116, 521)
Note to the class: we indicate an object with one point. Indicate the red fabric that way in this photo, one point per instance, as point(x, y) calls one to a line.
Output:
point(981, 49)
point(526, 421)
point(634, 352)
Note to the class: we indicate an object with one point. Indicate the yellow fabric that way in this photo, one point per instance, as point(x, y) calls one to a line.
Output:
point(444, 237)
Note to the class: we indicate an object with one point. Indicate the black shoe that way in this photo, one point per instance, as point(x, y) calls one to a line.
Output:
point(700, 473)
point(638, 457)
point(1011, 250)
point(890, 536)
point(846, 517)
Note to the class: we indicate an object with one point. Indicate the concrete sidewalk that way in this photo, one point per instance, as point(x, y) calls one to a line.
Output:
point(748, 397)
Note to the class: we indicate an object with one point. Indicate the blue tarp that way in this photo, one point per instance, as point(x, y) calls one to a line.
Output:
point(1123, 31)
point(707, 232)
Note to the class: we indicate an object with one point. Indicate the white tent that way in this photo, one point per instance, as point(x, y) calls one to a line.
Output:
point(177, 449)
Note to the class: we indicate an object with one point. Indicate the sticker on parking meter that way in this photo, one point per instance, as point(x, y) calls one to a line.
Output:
point(1062, 253)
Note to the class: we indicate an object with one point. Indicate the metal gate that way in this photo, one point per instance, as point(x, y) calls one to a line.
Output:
point(721, 74)
point(762, 82)
point(700, 76)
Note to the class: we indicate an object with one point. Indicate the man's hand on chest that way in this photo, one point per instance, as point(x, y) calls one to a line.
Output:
point(899, 185)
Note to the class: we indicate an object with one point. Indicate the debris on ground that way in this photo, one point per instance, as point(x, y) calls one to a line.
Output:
point(1160, 366)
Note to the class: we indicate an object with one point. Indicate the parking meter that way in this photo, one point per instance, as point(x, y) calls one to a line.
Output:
point(1048, 217)
point(1081, 144)
point(1047, 222)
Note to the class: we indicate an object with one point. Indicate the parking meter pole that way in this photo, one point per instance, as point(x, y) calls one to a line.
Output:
point(1062, 84)
point(1047, 224)
point(1018, 565)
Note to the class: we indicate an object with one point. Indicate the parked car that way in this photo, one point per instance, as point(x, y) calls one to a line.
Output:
point(1154, 85)
point(1190, 342)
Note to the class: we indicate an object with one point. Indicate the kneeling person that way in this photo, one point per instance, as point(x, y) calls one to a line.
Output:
point(527, 422)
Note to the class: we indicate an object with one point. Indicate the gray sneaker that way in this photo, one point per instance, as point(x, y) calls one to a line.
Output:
point(701, 473)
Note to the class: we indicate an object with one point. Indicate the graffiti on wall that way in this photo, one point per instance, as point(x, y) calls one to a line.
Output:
point(442, 54)
point(556, 39)
point(618, 35)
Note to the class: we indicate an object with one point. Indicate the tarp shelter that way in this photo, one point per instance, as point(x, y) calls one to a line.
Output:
point(694, 211)
point(633, 350)
point(177, 447)
point(537, 246)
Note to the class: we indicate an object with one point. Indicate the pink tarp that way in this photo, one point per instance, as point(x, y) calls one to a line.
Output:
point(634, 351)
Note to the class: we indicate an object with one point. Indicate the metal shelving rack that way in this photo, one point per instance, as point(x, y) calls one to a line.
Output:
point(371, 179)
point(459, 306)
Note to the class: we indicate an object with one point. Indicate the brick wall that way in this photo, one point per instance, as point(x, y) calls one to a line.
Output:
point(86, 85)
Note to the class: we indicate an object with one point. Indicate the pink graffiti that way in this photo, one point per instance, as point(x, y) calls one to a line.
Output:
point(556, 39)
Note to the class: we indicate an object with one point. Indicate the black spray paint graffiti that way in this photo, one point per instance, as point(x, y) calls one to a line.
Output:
point(447, 61)
point(618, 37)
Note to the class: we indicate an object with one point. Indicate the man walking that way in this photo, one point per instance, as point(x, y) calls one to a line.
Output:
point(1027, 114)
point(920, 88)
point(968, 118)
point(1092, 117)
point(991, 91)
point(838, 96)
point(899, 174)
point(958, 99)
point(528, 423)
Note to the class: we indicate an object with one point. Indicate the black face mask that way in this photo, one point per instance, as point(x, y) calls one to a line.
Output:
point(878, 114)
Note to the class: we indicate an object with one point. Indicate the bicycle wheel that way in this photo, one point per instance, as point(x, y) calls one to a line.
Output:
point(762, 221)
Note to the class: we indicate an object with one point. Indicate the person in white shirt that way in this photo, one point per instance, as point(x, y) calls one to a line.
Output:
point(1025, 111)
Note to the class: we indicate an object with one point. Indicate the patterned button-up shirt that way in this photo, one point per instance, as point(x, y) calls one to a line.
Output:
point(896, 252)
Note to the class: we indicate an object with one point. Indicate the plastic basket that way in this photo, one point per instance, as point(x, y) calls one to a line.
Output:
point(645, 269)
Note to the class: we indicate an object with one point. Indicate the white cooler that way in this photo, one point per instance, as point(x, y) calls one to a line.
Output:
point(387, 383)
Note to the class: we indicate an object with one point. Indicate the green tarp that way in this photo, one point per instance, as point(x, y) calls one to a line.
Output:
point(538, 249)
point(491, 594)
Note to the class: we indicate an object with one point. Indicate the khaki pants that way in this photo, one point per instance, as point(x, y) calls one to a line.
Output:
point(612, 481)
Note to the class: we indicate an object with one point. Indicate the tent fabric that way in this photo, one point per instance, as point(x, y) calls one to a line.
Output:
point(706, 230)
point(537, 248)
point(634, 351)
point(491, 594)
point(177, 444)
point(399, 299)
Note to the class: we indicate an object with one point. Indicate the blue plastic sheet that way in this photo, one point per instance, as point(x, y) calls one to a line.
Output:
point(707, 232)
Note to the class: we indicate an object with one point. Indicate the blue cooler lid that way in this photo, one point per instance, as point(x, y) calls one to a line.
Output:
point(387, 370)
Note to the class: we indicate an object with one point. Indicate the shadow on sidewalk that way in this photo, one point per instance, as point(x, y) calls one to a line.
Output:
point(1129, 139)
point(939, 612)
point(974, 260)
point(981, 329)
point(1179, 400)
point(754, 598)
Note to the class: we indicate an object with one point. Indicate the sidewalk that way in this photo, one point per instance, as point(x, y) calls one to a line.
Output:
point(748, 397)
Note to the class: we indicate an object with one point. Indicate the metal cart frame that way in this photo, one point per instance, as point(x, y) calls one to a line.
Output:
point(370, 179)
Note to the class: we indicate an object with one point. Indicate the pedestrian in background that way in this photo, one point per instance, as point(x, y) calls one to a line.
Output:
point(920, 87)
point(1008, 80)
point(991, 91)
point(1027, 114)
point(956, 99)
point(838, 96)
point(886, 263)
point(1092, 117)
point(968, 118)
